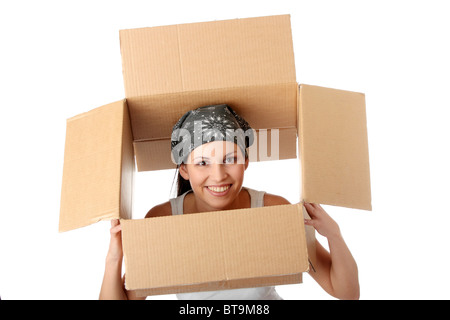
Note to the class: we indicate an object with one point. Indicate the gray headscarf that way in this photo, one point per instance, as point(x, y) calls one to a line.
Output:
point(207, 124)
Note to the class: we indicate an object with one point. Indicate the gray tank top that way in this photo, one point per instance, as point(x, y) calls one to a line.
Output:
point(260, 293)
point(256, 198)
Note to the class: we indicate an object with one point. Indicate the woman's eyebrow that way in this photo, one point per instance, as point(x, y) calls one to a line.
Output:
point(206, 158)
point(229, 153)
point(200, 157)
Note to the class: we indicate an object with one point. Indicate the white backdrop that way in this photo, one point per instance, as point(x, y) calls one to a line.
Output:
point(59, 59)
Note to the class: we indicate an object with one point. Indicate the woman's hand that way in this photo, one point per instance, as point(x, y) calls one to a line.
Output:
point(112, 285)
point(336, 271)
point(321, 221)
point(115, 251)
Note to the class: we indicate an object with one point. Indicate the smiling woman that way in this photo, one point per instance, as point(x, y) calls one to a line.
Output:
point(210, 144)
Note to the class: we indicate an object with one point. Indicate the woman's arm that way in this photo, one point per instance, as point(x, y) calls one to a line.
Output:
point(113, 285)
point(336, 271)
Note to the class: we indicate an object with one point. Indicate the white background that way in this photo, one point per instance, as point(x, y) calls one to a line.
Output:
point(61, 58)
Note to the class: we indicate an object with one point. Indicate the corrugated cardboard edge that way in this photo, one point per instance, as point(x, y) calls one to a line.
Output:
point(128, 167)
point(310, 234)
point(225, 285)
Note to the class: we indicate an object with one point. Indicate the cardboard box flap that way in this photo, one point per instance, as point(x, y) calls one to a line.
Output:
point(98, 167)
point(235, 248)
point(264, 107)
point(334, 147)
point(208, 55)
point(246, 63)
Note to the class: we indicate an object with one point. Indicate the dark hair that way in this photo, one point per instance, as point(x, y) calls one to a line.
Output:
point(183, 185)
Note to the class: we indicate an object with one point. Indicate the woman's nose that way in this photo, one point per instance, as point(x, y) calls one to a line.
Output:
point(219, 172)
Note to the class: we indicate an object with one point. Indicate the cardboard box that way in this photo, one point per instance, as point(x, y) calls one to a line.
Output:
point(248, 64)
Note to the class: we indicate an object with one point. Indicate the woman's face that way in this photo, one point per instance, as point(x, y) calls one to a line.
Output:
point(216, 173)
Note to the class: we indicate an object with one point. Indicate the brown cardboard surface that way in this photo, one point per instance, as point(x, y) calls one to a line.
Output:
point(209, 55)
point(269, 106)
point(233, 249)
point(334, 147)
point(98, 167)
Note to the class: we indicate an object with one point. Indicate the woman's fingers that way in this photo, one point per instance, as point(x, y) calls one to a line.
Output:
point(311, 209)
point(309, 222)
point(115, 226)
point(316, 205)
point(115, 244)
point(320, 220)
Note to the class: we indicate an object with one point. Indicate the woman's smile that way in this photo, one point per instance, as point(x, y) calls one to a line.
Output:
point(220, 190)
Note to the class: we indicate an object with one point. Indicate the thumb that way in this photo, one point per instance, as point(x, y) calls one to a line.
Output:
point(309, 222)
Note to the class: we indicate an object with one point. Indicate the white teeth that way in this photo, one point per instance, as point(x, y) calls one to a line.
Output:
point(219, 189)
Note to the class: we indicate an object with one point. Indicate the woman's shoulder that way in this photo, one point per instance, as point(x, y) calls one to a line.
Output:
point(165, 209)
point(274, 200)
point(160, 210)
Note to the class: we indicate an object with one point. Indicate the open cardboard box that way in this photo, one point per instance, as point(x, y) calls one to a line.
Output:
point(248, 64)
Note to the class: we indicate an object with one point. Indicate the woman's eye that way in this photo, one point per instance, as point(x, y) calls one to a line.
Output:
point(231, 160)
point(201, 163)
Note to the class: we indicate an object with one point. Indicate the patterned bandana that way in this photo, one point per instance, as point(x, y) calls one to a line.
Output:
point(207, 124)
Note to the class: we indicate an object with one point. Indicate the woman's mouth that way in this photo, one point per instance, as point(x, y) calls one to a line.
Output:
point(219, 190)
